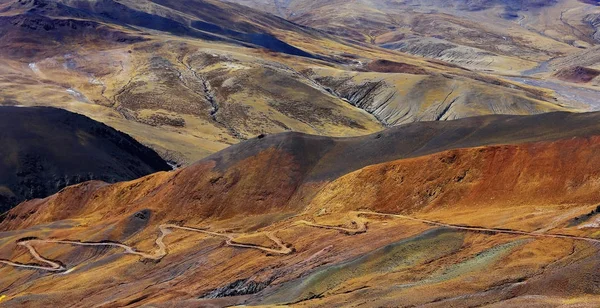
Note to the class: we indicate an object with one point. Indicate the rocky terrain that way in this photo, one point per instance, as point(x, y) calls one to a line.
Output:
point(191, 78)
point(494, 210)
point(305, 153)
point(499, 36)
point(46, 149)
point(534, 39)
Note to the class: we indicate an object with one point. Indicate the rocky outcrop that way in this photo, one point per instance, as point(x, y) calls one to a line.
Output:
point(238, 287)
point(594, 21)
point(440, 49)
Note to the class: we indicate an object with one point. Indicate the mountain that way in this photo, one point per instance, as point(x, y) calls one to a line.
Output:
point(190, 78)
point(355, 153)
point(46, 149)
point(493, 35)
point(492, 209)
point(548, 44)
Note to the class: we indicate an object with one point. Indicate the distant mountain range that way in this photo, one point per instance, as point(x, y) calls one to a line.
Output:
point(189, 78)
point(475, 34)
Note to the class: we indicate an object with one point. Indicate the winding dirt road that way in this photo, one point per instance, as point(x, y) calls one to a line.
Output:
point(362, 227)
point(52, 265)
point(483, 229)
point(158, 254)
point(358, 221)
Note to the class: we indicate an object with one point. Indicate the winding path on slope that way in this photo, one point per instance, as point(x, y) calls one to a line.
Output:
point(357, 222)
point(362, 227)
point(160, 253)
point(357, 219)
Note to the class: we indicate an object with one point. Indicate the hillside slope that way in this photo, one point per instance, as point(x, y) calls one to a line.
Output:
point(500, 36)
point(189, 78)
point(46, 149)
point(498, 209)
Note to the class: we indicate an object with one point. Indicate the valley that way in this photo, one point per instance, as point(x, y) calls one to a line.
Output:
point(302, 153)
point(190, 85)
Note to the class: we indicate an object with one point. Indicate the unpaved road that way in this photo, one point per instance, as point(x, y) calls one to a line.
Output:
point(483, 229)
point(361, 227)
point(358, 220)
point(52, 266)
point(160, 252)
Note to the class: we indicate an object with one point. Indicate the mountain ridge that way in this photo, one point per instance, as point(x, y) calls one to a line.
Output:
point(47, 149)
point(447, 214)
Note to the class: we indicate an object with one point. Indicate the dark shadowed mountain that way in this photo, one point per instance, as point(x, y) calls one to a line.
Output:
point(64, 23)
point(45, 149)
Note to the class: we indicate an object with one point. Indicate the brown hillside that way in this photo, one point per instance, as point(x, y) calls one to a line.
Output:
point(578, 74)
point(280, 220)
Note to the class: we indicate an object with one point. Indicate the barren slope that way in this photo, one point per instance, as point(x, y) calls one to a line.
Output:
point(501, 36)
point(472, 224)
point(191, 78)
point(46, 149)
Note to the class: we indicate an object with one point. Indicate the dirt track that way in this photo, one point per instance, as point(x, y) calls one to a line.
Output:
point(361, 227)
point(160, 252)
point(358, 220)
point(483, 229)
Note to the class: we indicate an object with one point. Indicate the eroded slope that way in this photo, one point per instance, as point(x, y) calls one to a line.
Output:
point(503, 223)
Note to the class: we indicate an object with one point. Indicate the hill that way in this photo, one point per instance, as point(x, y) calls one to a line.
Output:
point(46, 149)
point(493, 209)
point(190, 78)
point(500, 36)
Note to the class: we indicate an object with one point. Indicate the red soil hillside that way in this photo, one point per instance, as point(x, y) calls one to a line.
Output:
point(286, 219)
point(277, 173)
point(532, 174)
